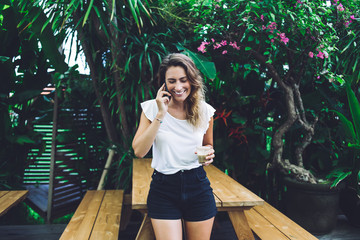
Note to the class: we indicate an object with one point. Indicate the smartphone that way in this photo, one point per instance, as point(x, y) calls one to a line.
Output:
point(166, 89)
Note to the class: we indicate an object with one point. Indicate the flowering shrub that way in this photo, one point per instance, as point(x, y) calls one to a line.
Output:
point(287, 44)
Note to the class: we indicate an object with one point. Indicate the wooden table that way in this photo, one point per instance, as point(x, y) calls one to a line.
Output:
point(230, 196)
point(97, 217)
point(9, 199)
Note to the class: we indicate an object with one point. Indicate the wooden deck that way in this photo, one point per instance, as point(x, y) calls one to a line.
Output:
point(222, 231)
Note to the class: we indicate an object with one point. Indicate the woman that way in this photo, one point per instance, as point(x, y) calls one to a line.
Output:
point(173, 124)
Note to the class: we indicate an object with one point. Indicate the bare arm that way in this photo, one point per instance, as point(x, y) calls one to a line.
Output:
point(208, 137)
point(145, 136)
point(146, 132)
point(208, 140)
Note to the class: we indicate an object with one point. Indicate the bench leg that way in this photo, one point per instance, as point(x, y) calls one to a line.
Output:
point(146, 231)
point(241, 225)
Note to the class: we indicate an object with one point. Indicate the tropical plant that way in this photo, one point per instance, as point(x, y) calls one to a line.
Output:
point(25, 72)
point(351, 126)
point(123, 43)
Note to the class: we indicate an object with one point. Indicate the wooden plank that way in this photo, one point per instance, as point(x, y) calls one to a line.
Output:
point(241, 226)
point(262, 227)
point(146, 231)
point(230, 192)
point(108, 220)
point(283, 223)
point(2, 193)
point(81, 224)
point(142, 172)
point(11, 198)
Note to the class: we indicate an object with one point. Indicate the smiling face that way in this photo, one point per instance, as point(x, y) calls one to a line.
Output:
point(178, 83)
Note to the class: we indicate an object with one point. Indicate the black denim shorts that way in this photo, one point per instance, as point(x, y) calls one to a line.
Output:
point(186, 194)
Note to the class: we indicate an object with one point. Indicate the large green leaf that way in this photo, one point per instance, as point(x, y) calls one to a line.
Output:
point(49, 42)
point(347, 125)
point(205, 66)
point(354, 109)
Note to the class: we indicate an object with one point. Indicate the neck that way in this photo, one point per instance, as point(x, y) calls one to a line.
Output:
point(177, 105)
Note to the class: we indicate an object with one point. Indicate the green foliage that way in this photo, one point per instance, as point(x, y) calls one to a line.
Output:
point(351, 127)
point(24, 69)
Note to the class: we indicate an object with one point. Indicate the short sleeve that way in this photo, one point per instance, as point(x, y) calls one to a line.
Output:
point(150, 109)
point(209, 112)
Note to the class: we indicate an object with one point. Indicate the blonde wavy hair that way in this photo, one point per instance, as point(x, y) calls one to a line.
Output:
point(193, 106)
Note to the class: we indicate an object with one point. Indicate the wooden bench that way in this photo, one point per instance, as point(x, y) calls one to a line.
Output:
point(269, 223)
point(9, 199)
point(97, 217)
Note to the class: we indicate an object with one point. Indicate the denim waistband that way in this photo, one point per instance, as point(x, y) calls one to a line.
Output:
point(181, 172)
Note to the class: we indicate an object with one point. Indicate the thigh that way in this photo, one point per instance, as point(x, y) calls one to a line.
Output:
point(167, 229)
point(200, 230)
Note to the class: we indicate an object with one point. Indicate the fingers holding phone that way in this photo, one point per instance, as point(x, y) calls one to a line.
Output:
point(163, 99)
point(167, 90)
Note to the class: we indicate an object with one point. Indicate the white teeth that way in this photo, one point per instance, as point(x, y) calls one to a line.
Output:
point(179, 93)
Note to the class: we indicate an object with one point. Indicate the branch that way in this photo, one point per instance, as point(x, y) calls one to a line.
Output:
point(309, 128)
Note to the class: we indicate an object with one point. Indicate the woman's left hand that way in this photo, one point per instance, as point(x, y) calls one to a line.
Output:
point(210, 157)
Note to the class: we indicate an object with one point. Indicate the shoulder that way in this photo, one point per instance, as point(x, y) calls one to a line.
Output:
point(149, 108)
point(149, 103)
point(210, 110)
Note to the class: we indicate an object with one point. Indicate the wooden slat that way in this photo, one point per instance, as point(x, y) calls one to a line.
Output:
point(2, 193)
point(231, 193)
point(108, 221)
point(142, 178)
point(283, 223)
point(146, 231)
point(262, 227)
point(240, 224)
point(80, 225)
point(11, 198)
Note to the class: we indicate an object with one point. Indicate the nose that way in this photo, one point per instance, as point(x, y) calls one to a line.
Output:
point(178, 86)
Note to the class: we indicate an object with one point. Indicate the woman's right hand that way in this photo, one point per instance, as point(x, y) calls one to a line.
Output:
point(162, 100)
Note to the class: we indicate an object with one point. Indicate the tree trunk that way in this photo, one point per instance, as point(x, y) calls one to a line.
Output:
point(116, 53)
point(284, 165)
point(105, 113)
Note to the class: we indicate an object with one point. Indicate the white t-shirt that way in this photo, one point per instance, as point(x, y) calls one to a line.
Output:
point(176, 140)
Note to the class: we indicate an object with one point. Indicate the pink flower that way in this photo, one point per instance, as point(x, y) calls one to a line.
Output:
point(340, 7)
point(282, 35)
point(223, 43)
point(311, 54)
point(202, 47)
point(352, 17)
point(320, 55)
point(335, 1)
point(218, 45)
point(224, 52)
point(272, 25)
point(263, 27)
point(318, 77)
point(234, 45)
point(213, 40)
point(347, 24)
point(262, 17)
point(285, 40)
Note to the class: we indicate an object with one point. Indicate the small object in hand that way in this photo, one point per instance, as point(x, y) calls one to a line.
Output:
point(202, 152)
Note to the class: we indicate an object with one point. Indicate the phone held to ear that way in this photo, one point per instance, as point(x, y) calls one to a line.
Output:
point(166, 89)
